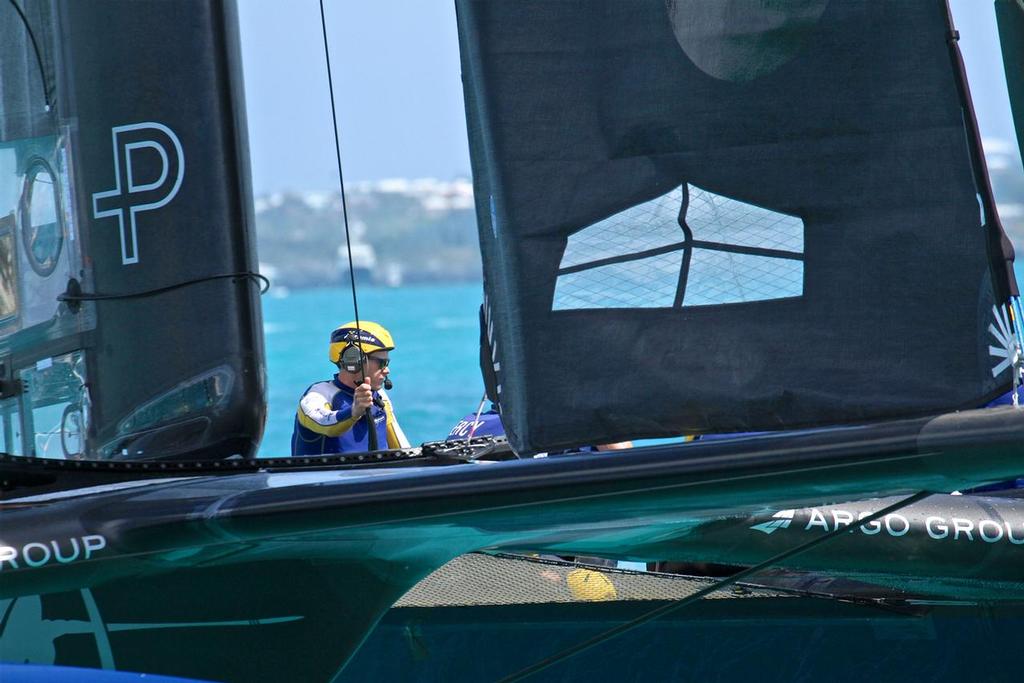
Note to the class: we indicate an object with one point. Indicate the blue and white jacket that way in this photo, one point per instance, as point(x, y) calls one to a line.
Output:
point(324, 422)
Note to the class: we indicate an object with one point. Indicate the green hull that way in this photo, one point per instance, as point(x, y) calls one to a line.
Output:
point(293, 566)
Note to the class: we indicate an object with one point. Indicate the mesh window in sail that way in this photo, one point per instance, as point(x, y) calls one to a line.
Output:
point(637, 258)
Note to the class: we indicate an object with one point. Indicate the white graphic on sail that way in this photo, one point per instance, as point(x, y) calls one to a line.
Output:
point(131, 196)
point(720, 251)
point(1007, 349)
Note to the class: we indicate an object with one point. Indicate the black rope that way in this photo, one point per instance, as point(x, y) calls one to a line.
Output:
point(371, 428)
point(341, 177)
point(739, 576)
point(35, 48)
point(73, 297)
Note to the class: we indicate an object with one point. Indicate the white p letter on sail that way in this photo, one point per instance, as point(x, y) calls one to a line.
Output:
point(129, 194)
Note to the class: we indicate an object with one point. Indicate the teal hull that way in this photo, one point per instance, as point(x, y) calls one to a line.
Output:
point(292, 566)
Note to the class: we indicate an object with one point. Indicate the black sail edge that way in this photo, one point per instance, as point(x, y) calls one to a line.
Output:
point(1000, 246)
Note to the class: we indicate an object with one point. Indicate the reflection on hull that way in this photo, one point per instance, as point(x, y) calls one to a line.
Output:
point(207, 624)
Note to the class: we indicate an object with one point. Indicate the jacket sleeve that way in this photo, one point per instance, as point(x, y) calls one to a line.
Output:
point(396, 437)
point(316, 414)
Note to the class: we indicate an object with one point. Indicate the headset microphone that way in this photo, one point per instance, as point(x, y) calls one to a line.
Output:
point(388, 384)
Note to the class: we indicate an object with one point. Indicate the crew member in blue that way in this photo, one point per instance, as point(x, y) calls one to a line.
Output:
point(331, 414)
point(488, 423)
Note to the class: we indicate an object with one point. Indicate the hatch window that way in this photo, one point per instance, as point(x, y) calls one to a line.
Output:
point(56, 407)
point(40, 223)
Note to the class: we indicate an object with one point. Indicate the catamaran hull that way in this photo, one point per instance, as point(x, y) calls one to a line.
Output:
point(286, 560)
point(301, 619)
point(756, 640)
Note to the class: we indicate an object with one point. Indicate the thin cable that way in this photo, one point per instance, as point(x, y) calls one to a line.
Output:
point(35, 47)
point(1017, 316)
point(370, 426)
point(93, 296)
point(672, 607)
point(341, 177)
point(476, 420)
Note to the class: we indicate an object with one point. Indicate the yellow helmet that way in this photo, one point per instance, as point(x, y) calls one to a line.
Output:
point(369, 337)
point(586, 584)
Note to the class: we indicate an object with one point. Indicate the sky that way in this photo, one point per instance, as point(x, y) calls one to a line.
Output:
point(399, 96)
point(397, 87)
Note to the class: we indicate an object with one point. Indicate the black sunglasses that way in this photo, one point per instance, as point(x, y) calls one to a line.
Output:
point(382, 362)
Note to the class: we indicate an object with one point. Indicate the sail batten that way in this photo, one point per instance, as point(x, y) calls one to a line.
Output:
point(829, 146)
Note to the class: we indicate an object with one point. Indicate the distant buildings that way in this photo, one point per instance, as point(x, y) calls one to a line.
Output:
point(401, 231)
point(424, 230)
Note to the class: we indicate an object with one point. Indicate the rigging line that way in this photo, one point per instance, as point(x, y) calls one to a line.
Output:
point(476, 419)
point(341, 176)
point(35, 48)
point(1017, 318)
point(73, 297)
point(371, 431)
point(739, 576)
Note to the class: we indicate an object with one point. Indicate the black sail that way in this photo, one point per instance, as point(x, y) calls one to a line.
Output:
point(717, 217)
point(128, 326)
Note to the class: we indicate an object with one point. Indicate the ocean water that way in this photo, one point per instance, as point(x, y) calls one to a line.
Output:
point(435, 365)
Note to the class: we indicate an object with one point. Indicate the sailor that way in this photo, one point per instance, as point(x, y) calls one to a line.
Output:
point(485, 423)
point(332, 414)
point(488, 423)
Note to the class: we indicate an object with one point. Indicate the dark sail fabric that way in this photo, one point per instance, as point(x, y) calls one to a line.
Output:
point(718, 217)
point(196, 383)
point(128, 328)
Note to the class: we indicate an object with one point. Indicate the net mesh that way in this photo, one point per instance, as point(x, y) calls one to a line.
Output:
point(480, 579)
point(643, 283)
point(640, 277)
point(716, 218)
point(649, 225)
point(719, 277)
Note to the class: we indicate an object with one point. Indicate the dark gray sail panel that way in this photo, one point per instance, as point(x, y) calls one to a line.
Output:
point(164, 193)
point(700, 219)
point(128, 326)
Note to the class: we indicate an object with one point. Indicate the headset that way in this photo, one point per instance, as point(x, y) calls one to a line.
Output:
point(352, 358)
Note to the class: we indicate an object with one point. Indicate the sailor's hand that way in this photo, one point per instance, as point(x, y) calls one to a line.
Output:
point(362, 397)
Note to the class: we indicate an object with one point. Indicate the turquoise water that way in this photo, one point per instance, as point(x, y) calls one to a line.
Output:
point(434, 367)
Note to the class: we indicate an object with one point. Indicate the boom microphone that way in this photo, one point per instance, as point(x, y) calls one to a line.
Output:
point(388, 384)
